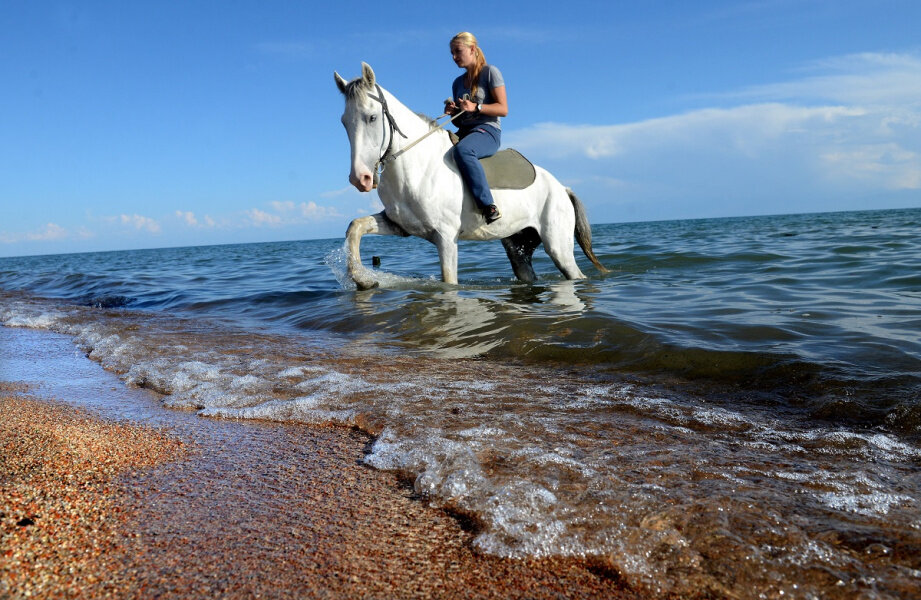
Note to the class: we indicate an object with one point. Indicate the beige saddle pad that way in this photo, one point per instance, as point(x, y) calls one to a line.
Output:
point(508, 170)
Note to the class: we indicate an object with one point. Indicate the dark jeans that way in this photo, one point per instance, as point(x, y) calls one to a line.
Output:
point(478, 143)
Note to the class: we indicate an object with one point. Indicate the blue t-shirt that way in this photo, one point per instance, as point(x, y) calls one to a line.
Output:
point(489, 79)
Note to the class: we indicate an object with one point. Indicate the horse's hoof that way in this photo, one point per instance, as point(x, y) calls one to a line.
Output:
point(366, 284)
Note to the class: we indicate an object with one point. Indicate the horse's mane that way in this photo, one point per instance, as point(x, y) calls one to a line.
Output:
point(432, 123)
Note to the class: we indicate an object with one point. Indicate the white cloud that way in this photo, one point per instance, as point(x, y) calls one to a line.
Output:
point(889, 165)
point(188, 217)
point(312, 211)
point(366, 203)
point(853, 128)
point(741, 129)
point(259, 218)
point(865, 79)
point(290, 213)
point(282, 206)
point(50, 232)
point(872, 147)
point(192, 220)
point(83, 233)
point(372, 208)
point(140, 222)
point(344, 191)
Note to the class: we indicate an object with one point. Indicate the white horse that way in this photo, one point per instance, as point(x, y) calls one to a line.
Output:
point(423, 194)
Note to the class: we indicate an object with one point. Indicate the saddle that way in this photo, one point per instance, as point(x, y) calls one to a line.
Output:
point(507, 169)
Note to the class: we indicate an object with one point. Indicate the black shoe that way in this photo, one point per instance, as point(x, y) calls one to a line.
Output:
point(491, 213)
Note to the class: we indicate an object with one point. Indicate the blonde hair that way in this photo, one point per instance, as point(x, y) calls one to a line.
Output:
point(473, 77)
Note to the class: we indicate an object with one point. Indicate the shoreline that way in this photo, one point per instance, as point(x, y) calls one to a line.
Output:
point(163, 503)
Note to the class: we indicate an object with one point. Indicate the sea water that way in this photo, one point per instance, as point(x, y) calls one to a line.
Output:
point(735, 407)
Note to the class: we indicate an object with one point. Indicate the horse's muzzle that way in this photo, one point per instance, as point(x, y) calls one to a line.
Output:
point(363, 182)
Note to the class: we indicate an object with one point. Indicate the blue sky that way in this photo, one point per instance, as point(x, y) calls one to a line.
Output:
point(149, 124)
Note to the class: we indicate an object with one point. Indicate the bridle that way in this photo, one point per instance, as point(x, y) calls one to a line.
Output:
point(386, 156)
point(391, 124)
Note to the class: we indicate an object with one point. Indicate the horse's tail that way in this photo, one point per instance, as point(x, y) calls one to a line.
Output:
point(584, 231)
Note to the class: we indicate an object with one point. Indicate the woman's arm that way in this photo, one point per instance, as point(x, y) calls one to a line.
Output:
point(499, 108)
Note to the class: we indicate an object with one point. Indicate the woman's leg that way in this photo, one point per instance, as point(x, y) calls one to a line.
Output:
point(479, 143)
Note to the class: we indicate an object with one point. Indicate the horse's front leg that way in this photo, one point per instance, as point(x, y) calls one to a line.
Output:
point(447, 256)
point(378, 224)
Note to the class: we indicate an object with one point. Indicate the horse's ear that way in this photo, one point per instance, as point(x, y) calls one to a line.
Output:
point(367, 74)
point(340, 82)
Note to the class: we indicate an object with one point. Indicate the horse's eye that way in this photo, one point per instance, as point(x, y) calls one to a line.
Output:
point(372, 118)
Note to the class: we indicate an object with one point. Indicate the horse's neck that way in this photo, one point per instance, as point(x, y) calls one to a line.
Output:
point(414, 127)
point(411, 124)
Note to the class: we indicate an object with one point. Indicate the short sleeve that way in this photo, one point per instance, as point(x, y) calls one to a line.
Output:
point(495, 77)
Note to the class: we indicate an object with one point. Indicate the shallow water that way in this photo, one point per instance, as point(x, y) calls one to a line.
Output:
point(735, 407)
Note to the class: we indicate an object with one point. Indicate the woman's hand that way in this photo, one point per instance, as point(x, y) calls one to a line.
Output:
point(467, 105)
point(450, 107)
point(499, 108)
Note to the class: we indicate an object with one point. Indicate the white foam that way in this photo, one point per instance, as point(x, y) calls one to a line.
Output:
point(42, 321)
point(557, 458)
point(337, 260)
point(870, 504)
point(893, 446)
point(300, 410)
point(482, 431)
point(21, 314)
point(523, 518)
point(300, 371)
point(332, 382)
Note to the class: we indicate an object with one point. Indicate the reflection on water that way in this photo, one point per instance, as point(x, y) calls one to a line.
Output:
point(462, 323)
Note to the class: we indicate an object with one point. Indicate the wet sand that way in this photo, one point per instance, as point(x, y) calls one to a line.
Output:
point(167, 504)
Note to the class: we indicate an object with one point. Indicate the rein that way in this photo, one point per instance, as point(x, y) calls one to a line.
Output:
point(430, 132)
point(386, 156)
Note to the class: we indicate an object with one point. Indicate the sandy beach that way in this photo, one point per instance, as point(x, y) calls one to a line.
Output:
point(167, 504)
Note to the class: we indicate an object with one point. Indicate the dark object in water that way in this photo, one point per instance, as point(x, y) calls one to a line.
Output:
point(376, 261)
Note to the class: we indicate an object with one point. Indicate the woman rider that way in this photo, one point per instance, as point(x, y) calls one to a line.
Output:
point(481, 94)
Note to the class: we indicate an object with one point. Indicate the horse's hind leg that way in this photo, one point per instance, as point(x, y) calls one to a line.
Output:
point(558, 242)
point(520, 248)
point(559, 224)
point(565, 262)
